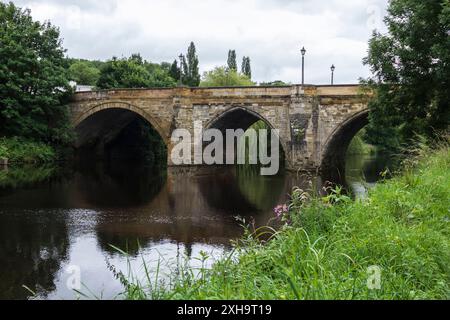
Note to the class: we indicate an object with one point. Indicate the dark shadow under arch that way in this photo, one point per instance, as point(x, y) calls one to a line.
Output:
point(236, 118)
point(335, 150)
point(101, 126)
point(120, 106)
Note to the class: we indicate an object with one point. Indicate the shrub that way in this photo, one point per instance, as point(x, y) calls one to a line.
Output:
point(20, 150)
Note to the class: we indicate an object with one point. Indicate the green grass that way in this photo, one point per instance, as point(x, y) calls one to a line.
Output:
point(326, 248)
point(18, 150)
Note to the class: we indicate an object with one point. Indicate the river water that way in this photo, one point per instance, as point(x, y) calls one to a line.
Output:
point(58, 223)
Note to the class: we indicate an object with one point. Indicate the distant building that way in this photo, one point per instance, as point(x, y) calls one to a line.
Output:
point(80, 88)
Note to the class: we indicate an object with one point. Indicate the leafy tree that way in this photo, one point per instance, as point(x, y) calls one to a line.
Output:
point(246, 67)
point(133, 72)
point(137, 58)
point(184, 70)
point(232, 64)
point(84, 73)
point(175, 71)
point(165, 66)
point(411, 67)
point(123, 73)
point(159, 75)
point(223, 77)
point(34, 83)
point(191, 76)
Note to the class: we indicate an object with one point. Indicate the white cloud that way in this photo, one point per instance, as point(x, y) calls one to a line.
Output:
point(271, 32)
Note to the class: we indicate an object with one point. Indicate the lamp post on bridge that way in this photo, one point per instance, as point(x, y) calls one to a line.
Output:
point(303, 51)
point(181, 69)
point(332, 74)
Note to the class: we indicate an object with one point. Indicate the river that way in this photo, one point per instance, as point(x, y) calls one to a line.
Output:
point(59, 222)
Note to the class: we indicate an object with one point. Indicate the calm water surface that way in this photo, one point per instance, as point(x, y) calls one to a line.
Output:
point(55, 219)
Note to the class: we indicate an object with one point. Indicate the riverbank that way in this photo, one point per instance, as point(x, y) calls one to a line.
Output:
point(18, 150)
point(393, 245)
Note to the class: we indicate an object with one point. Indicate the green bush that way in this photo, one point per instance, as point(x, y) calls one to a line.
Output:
point(18, 150)
point(223, 77)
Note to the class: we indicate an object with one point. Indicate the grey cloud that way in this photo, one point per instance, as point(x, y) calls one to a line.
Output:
point(106, 6)
point(274, 56)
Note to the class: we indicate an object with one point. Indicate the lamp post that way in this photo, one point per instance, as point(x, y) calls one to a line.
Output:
point(181, 69)
point(332, 74)
point(303, 51)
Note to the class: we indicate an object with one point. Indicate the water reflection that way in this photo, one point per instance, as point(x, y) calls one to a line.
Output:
point(53, 218)
point(33, 246)
point(363, 171)
point(75, 214)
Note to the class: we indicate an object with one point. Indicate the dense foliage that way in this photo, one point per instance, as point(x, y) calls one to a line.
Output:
point(84, 72)
point(411, 67)
point(246, 68)
point(231, 62)
point(133, 72)
point(25, 151)
point(224, 77)
point(33, 80)
point(175, 71)
point(191, 74)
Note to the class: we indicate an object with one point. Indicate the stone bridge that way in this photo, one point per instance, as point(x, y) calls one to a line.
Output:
point(315, 123)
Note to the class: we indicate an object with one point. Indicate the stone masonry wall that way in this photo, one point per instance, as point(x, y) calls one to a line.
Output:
point(305, 117)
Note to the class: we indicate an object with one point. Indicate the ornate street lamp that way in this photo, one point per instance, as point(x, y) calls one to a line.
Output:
point(332, 74)
point(303, 51)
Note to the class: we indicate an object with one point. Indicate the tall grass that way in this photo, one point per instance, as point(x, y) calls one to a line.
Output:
point(327, 245)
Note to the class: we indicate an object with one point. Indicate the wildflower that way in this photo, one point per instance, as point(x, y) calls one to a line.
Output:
point(281, 210)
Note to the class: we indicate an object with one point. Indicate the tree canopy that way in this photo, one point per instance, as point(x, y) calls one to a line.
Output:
point(246, 67)
point(231, 62)
point(84, 72)
point(134, 72)
point(276, 83)
point(224, 77)
point(411, 72)
point(175, 71)
point(191, 76)
point(33, 79)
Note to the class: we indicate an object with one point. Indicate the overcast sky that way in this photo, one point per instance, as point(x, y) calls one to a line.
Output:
point(271, 32)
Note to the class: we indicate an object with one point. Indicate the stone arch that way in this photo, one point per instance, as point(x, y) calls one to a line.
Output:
point(123, 106)
point(243, 123)
point(98, 127)
point(241, 117)
point(337, 143)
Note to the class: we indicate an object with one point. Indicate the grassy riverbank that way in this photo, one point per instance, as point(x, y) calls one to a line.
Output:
point(18, 150)
point(327, 249)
